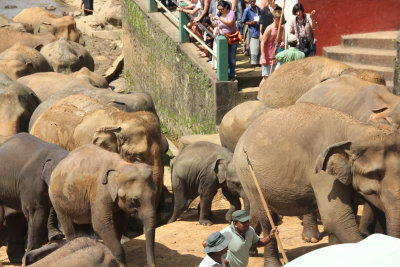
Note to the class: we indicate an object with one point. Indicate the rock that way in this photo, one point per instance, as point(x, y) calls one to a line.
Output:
point(116, 68)
point(110, 13)
point(51, 8)
point(10, 6)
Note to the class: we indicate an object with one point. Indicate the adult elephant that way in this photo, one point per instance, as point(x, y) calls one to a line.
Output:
point(17, 103)
point(361, 99)
point(27, 164)
point(92, 186)
point(67, 57)
point(7, 23)
point(291, 80)
point(43, 22)
point(77, 120)
point(236, 121)
point(316, 158)
point(201, 169)
point(26, 59)
point(9, 38)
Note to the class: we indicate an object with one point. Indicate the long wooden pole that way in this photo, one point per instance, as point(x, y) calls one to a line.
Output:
point(271, 221)
point(277, 36)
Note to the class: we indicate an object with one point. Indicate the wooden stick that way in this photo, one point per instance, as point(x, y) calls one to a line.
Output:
point(285, 259)
point(277, 36)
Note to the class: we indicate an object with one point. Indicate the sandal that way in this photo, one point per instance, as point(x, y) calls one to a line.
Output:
point(203, 54)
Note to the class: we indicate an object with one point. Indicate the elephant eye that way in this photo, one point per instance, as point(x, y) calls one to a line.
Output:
point(376, 174)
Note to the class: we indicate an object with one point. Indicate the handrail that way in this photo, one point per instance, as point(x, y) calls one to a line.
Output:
point(168, 12)
point(200, 41)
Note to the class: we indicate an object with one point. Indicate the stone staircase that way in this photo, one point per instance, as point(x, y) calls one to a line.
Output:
point(375, 51)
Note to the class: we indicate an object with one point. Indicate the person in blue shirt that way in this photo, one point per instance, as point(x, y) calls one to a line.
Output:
point(251, 17)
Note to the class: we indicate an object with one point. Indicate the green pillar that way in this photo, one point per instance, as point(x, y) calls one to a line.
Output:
point(152, 6)
point(222, 58)
point(183, 34)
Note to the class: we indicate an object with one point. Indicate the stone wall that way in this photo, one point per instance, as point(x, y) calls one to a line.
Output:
point(185, 90)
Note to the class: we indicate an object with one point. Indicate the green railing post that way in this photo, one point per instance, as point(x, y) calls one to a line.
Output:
point(183, 34)
point(222, 58)
point(152, 6)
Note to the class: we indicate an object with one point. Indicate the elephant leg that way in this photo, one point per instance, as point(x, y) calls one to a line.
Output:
point(16, 228)
point(69, 228)
point(333, 239)
point(103, 225)
point(181, 202)
point(37, 227)
point(206, 197)
point(234, 200)
point(54, 232)
point(271, 252)
point(372, 220)
point(310, 228)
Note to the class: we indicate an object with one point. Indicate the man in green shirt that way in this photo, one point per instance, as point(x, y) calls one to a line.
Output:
point(243, 238)
point(291, 54)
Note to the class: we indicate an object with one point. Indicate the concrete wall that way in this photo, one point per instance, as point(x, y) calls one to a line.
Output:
point(185, 90)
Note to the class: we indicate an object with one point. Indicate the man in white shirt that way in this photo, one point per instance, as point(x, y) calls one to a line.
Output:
point(217, 245)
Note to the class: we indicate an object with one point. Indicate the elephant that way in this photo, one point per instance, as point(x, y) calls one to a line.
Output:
point(363, 100)
point(43, 22)
point(77, 120)
point(93, 186)
point(67, 56)
point(235, 122)
point(201, 169)
point(7, 23)
point(17, 103)
point(31, 61)
point(27, 163)
point(317, 158)
point(9, 38)
point(291, 80)
point(80, 251)
point(93, 78)
point(46, 84)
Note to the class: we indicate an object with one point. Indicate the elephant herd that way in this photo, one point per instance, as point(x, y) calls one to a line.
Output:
point(71, 148)
point(322, 137)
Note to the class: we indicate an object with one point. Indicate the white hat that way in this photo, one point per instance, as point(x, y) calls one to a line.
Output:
point(291, 38)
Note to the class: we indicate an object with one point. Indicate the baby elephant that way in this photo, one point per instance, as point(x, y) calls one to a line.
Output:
point(200, 169)
point(81, 251)
point(95, 187)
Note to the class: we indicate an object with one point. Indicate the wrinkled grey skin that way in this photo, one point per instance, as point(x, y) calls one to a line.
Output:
point(92, 186)
point(363, 100)
point(131, 102)
point(17, 103)
point(313, 157)
point(236, 121)
point(67, 56)
point(25, 169)
point(201, 169)
point(81, 251)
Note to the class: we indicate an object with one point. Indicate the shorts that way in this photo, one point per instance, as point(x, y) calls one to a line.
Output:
point(267, 69)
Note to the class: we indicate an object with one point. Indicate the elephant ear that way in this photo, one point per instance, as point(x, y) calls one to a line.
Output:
point(47, 170)
point(220, 167)
point(335, 160)
point(109, 181)
point(107, 138)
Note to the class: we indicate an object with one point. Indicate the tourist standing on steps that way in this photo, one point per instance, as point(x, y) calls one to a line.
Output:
point(267, 18)
point(292, 53)
point(269, 49)
point(251, 17)
point(88, 7)
point(303, 26)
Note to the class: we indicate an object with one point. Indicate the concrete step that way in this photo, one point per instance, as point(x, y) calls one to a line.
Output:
point(374, 40)
point(368, 56)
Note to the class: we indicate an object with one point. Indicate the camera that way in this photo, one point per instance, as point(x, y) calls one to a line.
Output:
point(219, 13)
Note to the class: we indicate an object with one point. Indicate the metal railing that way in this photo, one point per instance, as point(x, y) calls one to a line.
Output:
point(222, 43)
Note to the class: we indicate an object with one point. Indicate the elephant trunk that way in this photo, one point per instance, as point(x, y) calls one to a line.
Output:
point(393, 221)
point(148, 220)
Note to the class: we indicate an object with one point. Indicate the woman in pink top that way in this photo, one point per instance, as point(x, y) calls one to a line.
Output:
point(268, 48)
